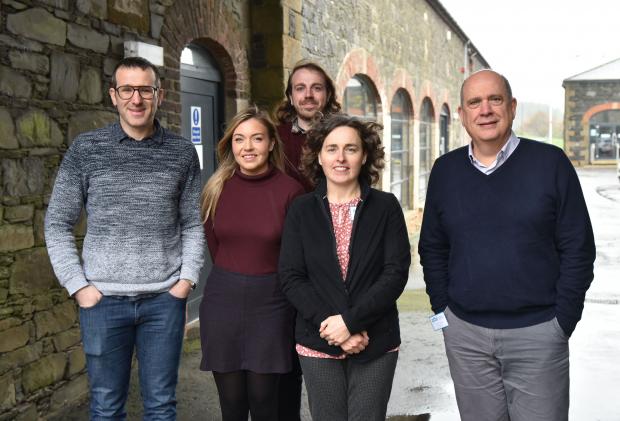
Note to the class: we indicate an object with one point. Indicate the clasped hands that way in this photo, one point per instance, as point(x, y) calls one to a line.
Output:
point(335, 332)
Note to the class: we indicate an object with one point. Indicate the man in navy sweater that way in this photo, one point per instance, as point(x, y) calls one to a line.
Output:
point(507, 250)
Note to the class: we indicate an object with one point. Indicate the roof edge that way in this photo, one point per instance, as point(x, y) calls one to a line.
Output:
point(568, 79)
point(447, 18)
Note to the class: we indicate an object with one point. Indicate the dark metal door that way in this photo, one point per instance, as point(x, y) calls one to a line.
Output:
point(201, 112)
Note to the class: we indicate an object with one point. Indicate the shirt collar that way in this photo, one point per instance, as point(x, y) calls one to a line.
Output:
point(119, 135)
point(502, 155)
point(295, 128)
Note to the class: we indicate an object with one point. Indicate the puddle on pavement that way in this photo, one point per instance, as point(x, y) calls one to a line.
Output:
point(421, 417)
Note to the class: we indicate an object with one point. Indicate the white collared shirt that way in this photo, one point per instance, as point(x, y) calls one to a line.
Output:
point(502, 155)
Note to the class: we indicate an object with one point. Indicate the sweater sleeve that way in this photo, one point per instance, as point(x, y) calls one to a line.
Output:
point(192, 234)
point(293, 273)
point(574, 241)
point(382, 295)
point(434, 248)
point(63, 211)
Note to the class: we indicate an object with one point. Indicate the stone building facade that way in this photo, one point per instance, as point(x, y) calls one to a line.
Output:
point(410, 57)
point(592, 115)
point(56, 60)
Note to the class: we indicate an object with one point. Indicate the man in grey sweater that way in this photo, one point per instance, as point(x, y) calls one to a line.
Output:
point(143, 250)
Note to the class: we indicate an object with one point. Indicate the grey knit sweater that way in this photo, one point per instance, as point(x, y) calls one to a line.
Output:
point(142, 203)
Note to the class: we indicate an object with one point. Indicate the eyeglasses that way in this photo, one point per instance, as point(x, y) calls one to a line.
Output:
point(145, 92)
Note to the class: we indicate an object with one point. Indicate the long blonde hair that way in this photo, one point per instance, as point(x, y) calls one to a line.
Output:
point(227, 164)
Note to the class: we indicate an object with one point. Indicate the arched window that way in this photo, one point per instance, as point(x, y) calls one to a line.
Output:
point(401, 170)
point(361, 98)
point(427, 118)
point(444, 130)
point(604, 134)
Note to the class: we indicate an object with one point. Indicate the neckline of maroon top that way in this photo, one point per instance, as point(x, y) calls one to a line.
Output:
point(263, 176)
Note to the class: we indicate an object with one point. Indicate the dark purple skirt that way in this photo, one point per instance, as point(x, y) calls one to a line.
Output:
point(246, 323)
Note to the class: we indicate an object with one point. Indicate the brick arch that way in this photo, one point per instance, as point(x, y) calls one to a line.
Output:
point(445, 104)
point(402, 80)
point(212, 26)
point(433, 105)
point(597, 109)
point(444, 98)
point(427, 91)
point(359, 61)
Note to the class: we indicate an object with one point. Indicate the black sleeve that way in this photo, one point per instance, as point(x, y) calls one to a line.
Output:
point(574, 241)
point(293, 273)
point(384, 292)
point(434, 249)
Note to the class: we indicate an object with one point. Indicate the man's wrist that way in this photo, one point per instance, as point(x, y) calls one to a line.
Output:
point(191, 283)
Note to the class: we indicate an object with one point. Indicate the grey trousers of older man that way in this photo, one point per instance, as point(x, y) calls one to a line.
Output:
point(508, 374)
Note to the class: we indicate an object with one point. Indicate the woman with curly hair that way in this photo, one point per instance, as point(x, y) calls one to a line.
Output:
point(344, 261)
point(246, 323)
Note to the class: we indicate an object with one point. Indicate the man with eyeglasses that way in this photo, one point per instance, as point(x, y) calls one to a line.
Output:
point(140, 186)
point(508, 251)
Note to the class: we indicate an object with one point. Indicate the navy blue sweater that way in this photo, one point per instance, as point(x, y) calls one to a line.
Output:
point(510, 249)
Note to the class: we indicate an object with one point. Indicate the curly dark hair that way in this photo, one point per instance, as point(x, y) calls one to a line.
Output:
point(368, 132)
point(285, 112)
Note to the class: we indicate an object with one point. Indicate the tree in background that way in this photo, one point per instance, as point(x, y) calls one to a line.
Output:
point(533, 121)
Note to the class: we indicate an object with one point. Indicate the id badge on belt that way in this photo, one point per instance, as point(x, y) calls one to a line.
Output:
point(439, 321)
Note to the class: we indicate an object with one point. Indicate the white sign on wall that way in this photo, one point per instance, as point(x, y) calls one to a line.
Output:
point(196, 120)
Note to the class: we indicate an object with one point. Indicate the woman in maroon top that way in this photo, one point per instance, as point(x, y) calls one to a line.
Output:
point(246, 322)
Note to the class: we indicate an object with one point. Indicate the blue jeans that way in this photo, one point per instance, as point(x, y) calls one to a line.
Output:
point(110, 330)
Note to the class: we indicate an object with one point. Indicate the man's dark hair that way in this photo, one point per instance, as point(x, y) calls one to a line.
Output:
point(501, 76)
point(286, 112)
point(368, 132)
point(133, 62)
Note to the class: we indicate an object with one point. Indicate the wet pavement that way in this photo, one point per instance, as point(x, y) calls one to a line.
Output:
point(595, 345)
point(422, 386)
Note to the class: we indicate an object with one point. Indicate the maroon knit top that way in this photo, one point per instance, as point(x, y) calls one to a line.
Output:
point(293, 147)
point(249, 218)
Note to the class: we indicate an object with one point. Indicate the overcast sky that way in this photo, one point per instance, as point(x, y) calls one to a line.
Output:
point(537, 44)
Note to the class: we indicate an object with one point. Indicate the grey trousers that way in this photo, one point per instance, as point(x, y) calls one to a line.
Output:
point(508, 374)
point(345, 390)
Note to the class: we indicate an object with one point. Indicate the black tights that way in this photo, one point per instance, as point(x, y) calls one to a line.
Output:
point(243, 391)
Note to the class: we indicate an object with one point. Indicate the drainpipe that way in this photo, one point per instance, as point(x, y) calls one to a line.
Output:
point(466, 60)
point(465, 76)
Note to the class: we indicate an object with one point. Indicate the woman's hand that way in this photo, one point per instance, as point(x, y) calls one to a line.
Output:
point(334, 330)
point(356, 343)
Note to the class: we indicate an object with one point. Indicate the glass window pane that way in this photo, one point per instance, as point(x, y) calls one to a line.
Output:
point(400, 162)
point(604, 132)
point(359, 99)
point(426, 136)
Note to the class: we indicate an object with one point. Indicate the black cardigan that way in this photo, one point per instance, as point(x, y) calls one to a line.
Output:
point(378, 270)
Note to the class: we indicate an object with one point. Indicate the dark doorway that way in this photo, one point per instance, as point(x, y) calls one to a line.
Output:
point(444, 130)
point(604, 133)
point(202, 110)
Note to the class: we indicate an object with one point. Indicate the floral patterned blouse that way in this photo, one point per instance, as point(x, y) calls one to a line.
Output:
point(342, 222)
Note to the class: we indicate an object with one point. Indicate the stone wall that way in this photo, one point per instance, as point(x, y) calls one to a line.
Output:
point(583, 99)
point(56, 59)
point(406, 44)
